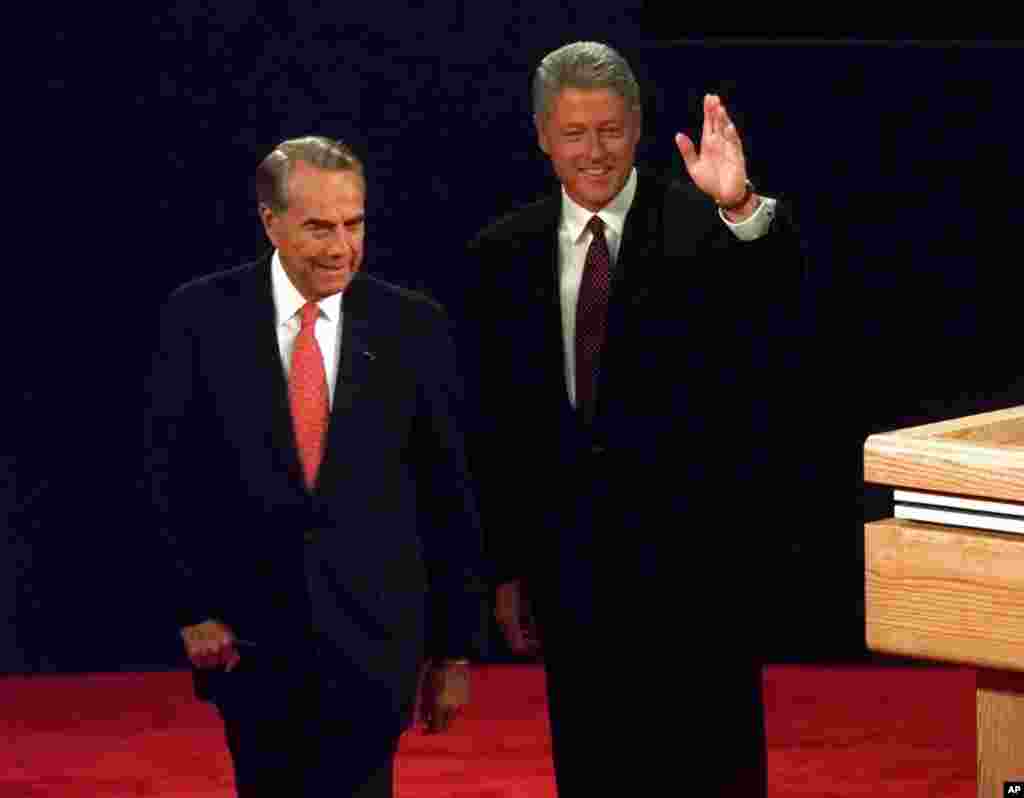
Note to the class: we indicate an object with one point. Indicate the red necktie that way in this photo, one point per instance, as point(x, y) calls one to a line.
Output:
point(592, 314)
point(307, 393)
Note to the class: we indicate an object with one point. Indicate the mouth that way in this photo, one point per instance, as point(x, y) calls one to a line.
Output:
point(596, 172)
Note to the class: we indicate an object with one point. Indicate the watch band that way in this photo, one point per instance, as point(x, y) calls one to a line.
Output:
point(742, 200)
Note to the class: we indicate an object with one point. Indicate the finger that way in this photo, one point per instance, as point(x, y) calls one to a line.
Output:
point(215, 654)
point(225, 653)
point(708, 126)
point(193, 646)
point(198, 653)
point(506, 616)
point(722, 119)
point(209, 653)
point(721, 114)
point(728, 127)
point(205, 660)
point(506, 612)
point(687, 149)
point(511, 631)
point(517, 640)
point(232, 661)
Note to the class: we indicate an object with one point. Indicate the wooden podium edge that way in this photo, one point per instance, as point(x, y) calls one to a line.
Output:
point(980, 456)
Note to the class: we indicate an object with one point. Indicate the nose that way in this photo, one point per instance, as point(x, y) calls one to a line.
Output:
point(595, 146)
point(340, 243)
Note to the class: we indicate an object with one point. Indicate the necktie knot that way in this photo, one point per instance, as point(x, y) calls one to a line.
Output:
point(596, 225)
point(308, 315)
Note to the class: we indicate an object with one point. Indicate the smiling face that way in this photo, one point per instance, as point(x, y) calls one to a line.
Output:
point(320, 235)
point(590, 135)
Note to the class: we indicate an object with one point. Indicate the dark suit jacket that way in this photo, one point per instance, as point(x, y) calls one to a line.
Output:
point(381, 563)
point(705, 352)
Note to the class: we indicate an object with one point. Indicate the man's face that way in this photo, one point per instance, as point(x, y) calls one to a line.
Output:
point(590, 135)
point(320, 235)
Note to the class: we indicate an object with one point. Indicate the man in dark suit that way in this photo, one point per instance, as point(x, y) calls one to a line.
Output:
point(308, 474)
point(634, 375)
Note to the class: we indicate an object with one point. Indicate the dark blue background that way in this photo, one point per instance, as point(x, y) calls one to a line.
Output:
point(899, 157)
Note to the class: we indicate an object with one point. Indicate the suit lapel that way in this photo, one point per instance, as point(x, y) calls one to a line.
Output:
point(641, 241)
point(547, 294)
point(354, 364)
point(633, 280)
point(268, 372)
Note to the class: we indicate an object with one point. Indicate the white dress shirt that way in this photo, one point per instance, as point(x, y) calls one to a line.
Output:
point(574, 239)
point(287, 304)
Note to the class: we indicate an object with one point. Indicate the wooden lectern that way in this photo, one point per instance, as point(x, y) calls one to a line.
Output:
point(944, 579)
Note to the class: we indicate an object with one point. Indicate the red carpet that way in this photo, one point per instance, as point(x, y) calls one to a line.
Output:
point(832, 732)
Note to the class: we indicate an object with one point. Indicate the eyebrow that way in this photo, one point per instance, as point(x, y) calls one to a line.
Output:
point(314, 222)
point(574, 127)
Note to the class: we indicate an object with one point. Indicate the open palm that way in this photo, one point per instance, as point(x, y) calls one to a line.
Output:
point(719, 168)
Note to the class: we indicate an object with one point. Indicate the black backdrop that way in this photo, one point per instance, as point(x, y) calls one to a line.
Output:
point(899, 157)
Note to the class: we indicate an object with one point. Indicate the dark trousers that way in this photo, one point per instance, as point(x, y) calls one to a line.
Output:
point(644, 697)
point(647, 731)
point(298, 741)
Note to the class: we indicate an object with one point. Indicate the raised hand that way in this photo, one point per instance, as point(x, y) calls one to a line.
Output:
point(719, 168)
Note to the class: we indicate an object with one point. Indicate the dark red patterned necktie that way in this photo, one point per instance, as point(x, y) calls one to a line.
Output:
point(592, 314)
point(307, 393)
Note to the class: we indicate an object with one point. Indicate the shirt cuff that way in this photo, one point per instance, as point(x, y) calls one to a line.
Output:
point(759, 222)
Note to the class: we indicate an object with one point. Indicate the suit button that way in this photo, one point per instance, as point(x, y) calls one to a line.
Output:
point(309, 535)
point(597, 449)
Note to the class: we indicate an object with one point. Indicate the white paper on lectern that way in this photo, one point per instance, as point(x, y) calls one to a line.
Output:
point(959, 502)
point(936, 515)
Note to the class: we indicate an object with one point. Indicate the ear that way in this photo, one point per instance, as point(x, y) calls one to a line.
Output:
point(542, 136)
point(638, 119)
point(267, 217)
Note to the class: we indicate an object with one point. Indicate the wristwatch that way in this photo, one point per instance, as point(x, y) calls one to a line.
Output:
point(743, 199)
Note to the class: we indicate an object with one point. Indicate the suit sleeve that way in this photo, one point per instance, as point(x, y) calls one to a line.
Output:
point(168, 446)
point(450, 525)
point(498, 447)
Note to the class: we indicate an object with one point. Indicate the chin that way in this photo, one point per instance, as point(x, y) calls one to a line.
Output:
point(331, 287)
point(595, 202)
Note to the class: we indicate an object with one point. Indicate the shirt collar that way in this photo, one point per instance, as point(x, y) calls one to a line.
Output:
point(575, 217)
point(287, 299)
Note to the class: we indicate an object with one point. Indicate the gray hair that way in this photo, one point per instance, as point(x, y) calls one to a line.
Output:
point(273, 172)
point(583, 65)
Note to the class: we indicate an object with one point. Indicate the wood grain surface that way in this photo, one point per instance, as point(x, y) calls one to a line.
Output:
point(979, 456)
point(945, 593)
point(1000, 711)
